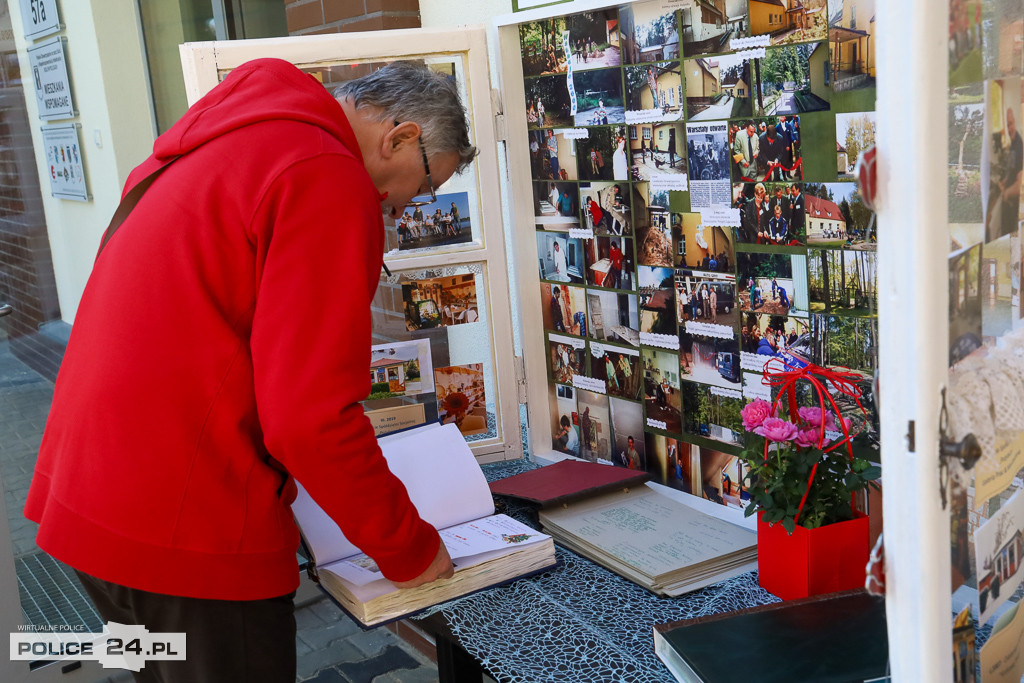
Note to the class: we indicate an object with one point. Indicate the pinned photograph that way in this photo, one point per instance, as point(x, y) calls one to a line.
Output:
point(656, 148)
point(619, 367)
point(722, 478)
point(713, 412)
point(839, 340)
point(1002, 157)
point(650, 33)
point(594, 39)
point(610, 262)
point(461, 399)
point(400, 369)
point(712, 360)
point(602, 155)
point(964, 302)
point(706, 303)
point(717, 88)
point(564, 309)
point(837, 217)
point(567, 357)
point(851, 39)
point(561, 258)
point(791, 80)
point(542, 47)
point(771, 214)
point(657, 304)
point(599, 98)
point(441, 223)
point(613, 317)
point(841, 281)
point(702, 247)
point(855, 133)
point(552, 157)
point(547, 102)
point(628, 449)
point(653, 92)
point(661, 390)
point(708, 151)
point(764, 336)
point(709, 25)
point(766, 149)
point(556, 206)
point(440, 302)
point(998, 547)
point(654, 242)
point(1001, 39)
point(965, 42)
point(789, 21)
point(606, 209)
point(595, 426)
point(565, 430)
point(668, 461)
point(966, 134)
point(772, 283)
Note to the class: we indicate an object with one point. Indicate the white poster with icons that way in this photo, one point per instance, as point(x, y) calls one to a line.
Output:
point(64, 164)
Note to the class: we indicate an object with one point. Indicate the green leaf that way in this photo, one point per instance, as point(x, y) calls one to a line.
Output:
point(789, 525)
point(872, 473)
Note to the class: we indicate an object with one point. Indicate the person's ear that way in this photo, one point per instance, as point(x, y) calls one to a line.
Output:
point(405, 133)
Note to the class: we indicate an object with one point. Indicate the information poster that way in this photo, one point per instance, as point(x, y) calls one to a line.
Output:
point(49, 69)
point(64, 164)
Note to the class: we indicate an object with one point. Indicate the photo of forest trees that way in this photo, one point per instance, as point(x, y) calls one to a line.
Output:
point(844, 341)
point(842, 281)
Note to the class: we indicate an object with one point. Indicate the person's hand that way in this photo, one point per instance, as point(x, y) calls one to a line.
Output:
point(440, 568)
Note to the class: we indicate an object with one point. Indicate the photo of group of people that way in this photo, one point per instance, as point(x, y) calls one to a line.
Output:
point(440, 302)
point(706, 303)
point(766, 149)
point(443, 222)
point(619, 367)
point(771, 213)
point(764, 336)
point(567, 356)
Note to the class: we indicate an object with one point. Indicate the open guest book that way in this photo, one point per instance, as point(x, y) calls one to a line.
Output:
point(448, 488)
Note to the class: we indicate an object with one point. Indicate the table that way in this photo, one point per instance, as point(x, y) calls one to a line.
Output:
point(578, 623)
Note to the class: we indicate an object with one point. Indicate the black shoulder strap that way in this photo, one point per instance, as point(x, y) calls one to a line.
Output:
point(129, 202)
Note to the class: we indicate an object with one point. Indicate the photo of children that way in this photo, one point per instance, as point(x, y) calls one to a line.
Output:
point(661, 390)
point(605, 208)
point(717, 88)
point(440, 302)
point(461, 399)
point(565, 431)
point(552, 157)
point(656, 148)
point(400, 369)
point(443, 222)
point(841, 281)
point(852, 45)
point(792, 80)
point(613, 317)
point(629, 449)
point(837, 217)
point(567, 357)
point(594, 39)
point(764, 336)
point(772, 283)
point(709, 26)
point(701, 247)
point(708, 151)
point(713, 412)
point(654, 243)
point(766, 149)
point(771, 213)
point(595, 426)
point(653, 92)
point(650, 33)
point(854, 133)
point(541, 46)
point(599, 97)
point(560, 258)
point(610, 262)
point(722, 478)
point(602, 155)
point(547, 102)
point(668, 461)
point(706, 303)
point(556, 206)
point(657, 301)
point(789, 21)
point(1002, 157)
point(619, 367)
point(564, 309)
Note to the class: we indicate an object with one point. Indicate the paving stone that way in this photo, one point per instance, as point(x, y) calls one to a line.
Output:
point(313, 662)
point(329, 675)
point(421, 674)
point(372, 642)
point(365, 670)
point(324, 634)
point(307, 619)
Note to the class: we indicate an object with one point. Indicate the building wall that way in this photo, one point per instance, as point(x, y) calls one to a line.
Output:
point(818, 64)
point(764, 17)
point(309, 17)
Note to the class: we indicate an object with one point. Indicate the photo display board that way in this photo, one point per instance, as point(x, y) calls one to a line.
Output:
point(695, 211)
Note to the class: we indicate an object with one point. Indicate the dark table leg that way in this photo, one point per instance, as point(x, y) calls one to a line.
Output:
point(455, 665)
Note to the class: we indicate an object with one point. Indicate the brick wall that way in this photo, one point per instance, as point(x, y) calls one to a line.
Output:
point(306, 17)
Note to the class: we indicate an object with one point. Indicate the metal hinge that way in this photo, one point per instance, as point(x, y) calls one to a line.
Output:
point(520, 367)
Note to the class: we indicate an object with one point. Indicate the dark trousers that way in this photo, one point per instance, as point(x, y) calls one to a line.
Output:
point(243, 641)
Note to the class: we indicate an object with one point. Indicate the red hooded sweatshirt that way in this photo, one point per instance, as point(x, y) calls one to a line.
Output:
point(227, 321)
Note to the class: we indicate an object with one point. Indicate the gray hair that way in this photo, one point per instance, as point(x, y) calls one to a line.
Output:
point(406, 91)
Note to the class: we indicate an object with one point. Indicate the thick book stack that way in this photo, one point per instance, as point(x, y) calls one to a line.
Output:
point(449, 490)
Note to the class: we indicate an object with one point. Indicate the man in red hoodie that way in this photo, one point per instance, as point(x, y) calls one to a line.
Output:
point(221, 348)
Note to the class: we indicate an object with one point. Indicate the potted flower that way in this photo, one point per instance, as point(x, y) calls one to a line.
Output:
point(803, 481)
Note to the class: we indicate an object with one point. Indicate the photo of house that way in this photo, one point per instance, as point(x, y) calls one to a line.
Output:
point(709, 25)
point(851, 48)
point(792, 79)
point(649, 33)
point(657, 148)
point(654, 92)
point(717, 88)
point(789, 21)
point(401, 369)
point(699, 246)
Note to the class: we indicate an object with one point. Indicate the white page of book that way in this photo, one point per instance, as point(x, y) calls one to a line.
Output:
point(468, 544)
point(444, 481)
point(650, 532)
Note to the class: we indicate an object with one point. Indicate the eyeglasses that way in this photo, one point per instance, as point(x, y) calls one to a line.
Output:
point(414, 202)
